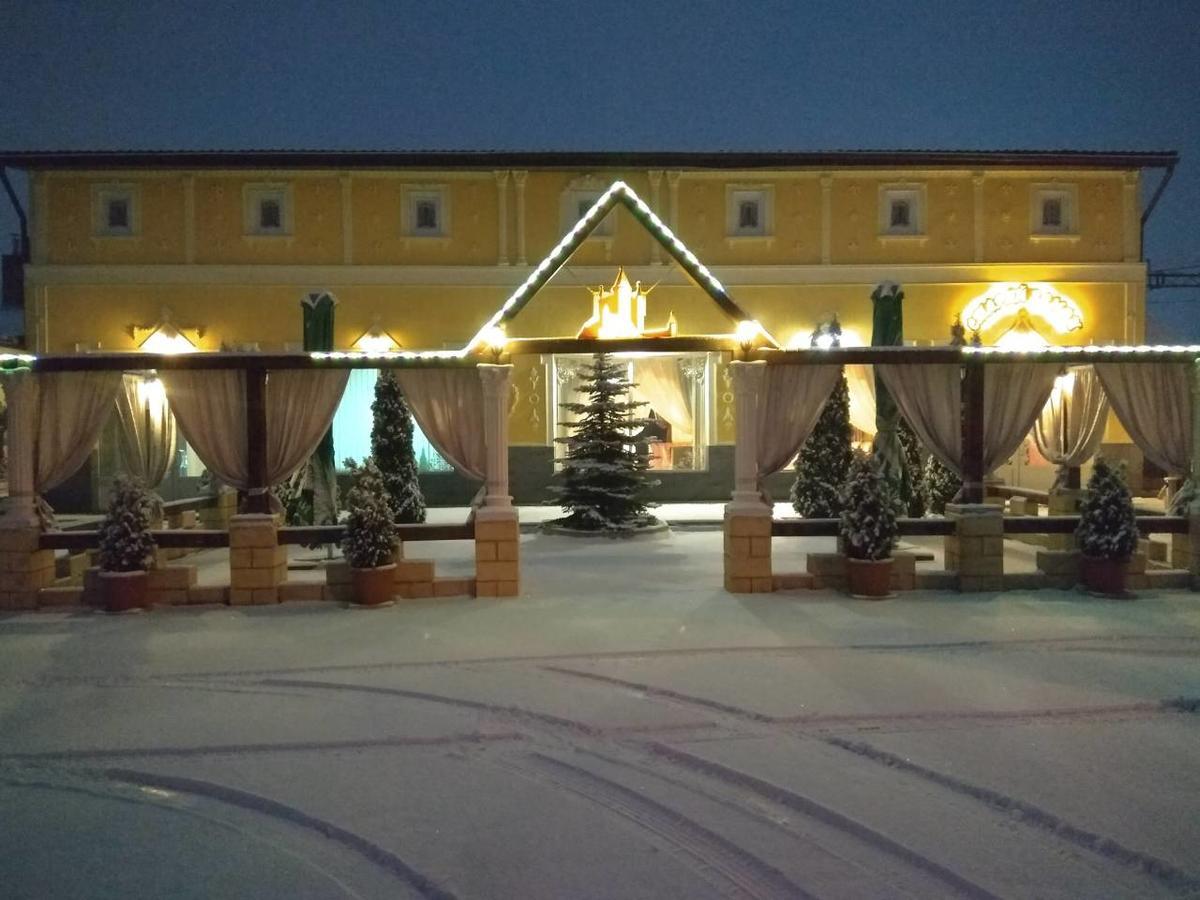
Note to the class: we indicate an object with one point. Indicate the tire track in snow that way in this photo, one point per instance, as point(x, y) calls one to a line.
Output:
point(1107, 848)
point(473, 737)
point(826, 816)
point(371, 851)
point(721, 861)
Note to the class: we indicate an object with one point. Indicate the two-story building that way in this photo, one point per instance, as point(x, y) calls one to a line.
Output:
point(209, 250)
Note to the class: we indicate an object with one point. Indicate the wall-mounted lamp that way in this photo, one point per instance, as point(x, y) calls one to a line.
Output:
point(165, 336)
point(746, 334)
point(495, 340)
point(376, 340)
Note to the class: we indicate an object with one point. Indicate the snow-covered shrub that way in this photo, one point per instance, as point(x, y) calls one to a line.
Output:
point(824, 459)
point(1107, 529)
point(868, 524)
point(941, 485)
point(392, 448)
point(125, 541)
point(370, 525)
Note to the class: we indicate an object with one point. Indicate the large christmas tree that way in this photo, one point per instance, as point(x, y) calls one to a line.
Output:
point(604, 473)
point(825, 459)
point(941, 485)
point(392, 449)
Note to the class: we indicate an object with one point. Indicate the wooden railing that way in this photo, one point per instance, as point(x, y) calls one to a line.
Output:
point(936, 526)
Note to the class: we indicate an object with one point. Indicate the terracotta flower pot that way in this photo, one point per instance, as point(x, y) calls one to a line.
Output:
point(1104, 576)
point(869, 578)
point(374, 587)
point(123, 591)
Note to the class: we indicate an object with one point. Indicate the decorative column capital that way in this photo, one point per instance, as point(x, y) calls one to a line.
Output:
point(501, 176)
point(496, 379)
point(748, 375)
point(519, 176)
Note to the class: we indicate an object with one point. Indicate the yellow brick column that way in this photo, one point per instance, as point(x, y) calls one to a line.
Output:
point(747, 524)
point(257, 563)
point(24, 569)
point(976, 549)
point(497, 529)
point(1062, 501)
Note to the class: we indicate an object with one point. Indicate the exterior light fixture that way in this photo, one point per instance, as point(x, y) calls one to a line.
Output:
point(495, 340)
point(746, 334)
point(1054, 308)
point(165, 336)
point(1022, 335)
point(376, 340)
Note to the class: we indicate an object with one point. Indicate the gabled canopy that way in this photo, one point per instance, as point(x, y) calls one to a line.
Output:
point(618, 192)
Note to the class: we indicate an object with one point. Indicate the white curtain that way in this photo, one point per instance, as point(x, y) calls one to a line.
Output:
point(661, 384)
point(148, 433)
point(1071, 424)
point(860, 378)
point(792, 399)
point(210, 407)
point(930, 397)
point(447, 404)
point(1013, 396)
point(71, 409)
point(1153, 402)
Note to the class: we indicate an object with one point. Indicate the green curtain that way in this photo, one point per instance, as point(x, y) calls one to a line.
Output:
point(322, 480)
point(887, 330)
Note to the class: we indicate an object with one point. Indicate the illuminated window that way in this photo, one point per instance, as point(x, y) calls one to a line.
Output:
point(115, 212)
point(268, 210)
point(425, 212)
point(902, 210)
point(748, 212)
point(1052, 211)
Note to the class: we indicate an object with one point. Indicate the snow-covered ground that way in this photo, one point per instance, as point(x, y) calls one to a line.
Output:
point(624, 729)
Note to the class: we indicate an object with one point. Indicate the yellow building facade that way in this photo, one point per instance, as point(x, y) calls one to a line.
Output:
point(422, 248)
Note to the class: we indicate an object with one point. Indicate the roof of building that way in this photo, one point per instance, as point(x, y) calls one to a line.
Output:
point(584, 159)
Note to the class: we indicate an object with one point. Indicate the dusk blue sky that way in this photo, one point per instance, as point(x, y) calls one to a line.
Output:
point(694, 75)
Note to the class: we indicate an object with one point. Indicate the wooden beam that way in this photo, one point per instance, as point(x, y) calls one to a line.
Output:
point(257, 499)
point(697, 344)
point(333, 534)
point(972, 432)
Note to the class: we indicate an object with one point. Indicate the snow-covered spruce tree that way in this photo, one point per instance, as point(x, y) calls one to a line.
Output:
point(912, 489)
point(1107, 529)
point(392, 448)
point(941, 485)
point(824, 459)
point(868, 520)
point(370, 524)
point(604, 473)
point(125, 541)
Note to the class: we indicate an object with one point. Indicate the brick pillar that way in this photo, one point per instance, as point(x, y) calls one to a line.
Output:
point(257, 563)
point(1062, 502)
point(747, 526)
point(497, 529)
point(20, 390)
point(976, 550)
point(24, 569)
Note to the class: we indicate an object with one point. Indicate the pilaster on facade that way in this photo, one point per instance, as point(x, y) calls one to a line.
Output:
point(673, 191)
point(655, 176)
point(347, 219)
point(501, 216)
point(1131, 218)
point(519, 178)
point(189, 219)
point(977, 186)
point(826, 218)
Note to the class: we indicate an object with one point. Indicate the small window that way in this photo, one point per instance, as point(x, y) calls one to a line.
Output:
point(268, 210)
point(902, 211)
point(581, 202)
point(749, 212)
point(115, 212)
point(1052, 212)
point(425, 213)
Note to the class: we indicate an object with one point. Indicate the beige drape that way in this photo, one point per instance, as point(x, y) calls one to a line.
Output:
point(1153, 402)
point(147, 434)
point(1071, 424)
point(860, 379)
point(791, 403)
point(661, 384)
point(930, 398)
point(71, 409)
point(448, 406)
point(210, 407)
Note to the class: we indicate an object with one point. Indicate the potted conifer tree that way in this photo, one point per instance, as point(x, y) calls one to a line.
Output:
point(126, 546)
point(1107, 534)
point(868, 528)
point(370, 541)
